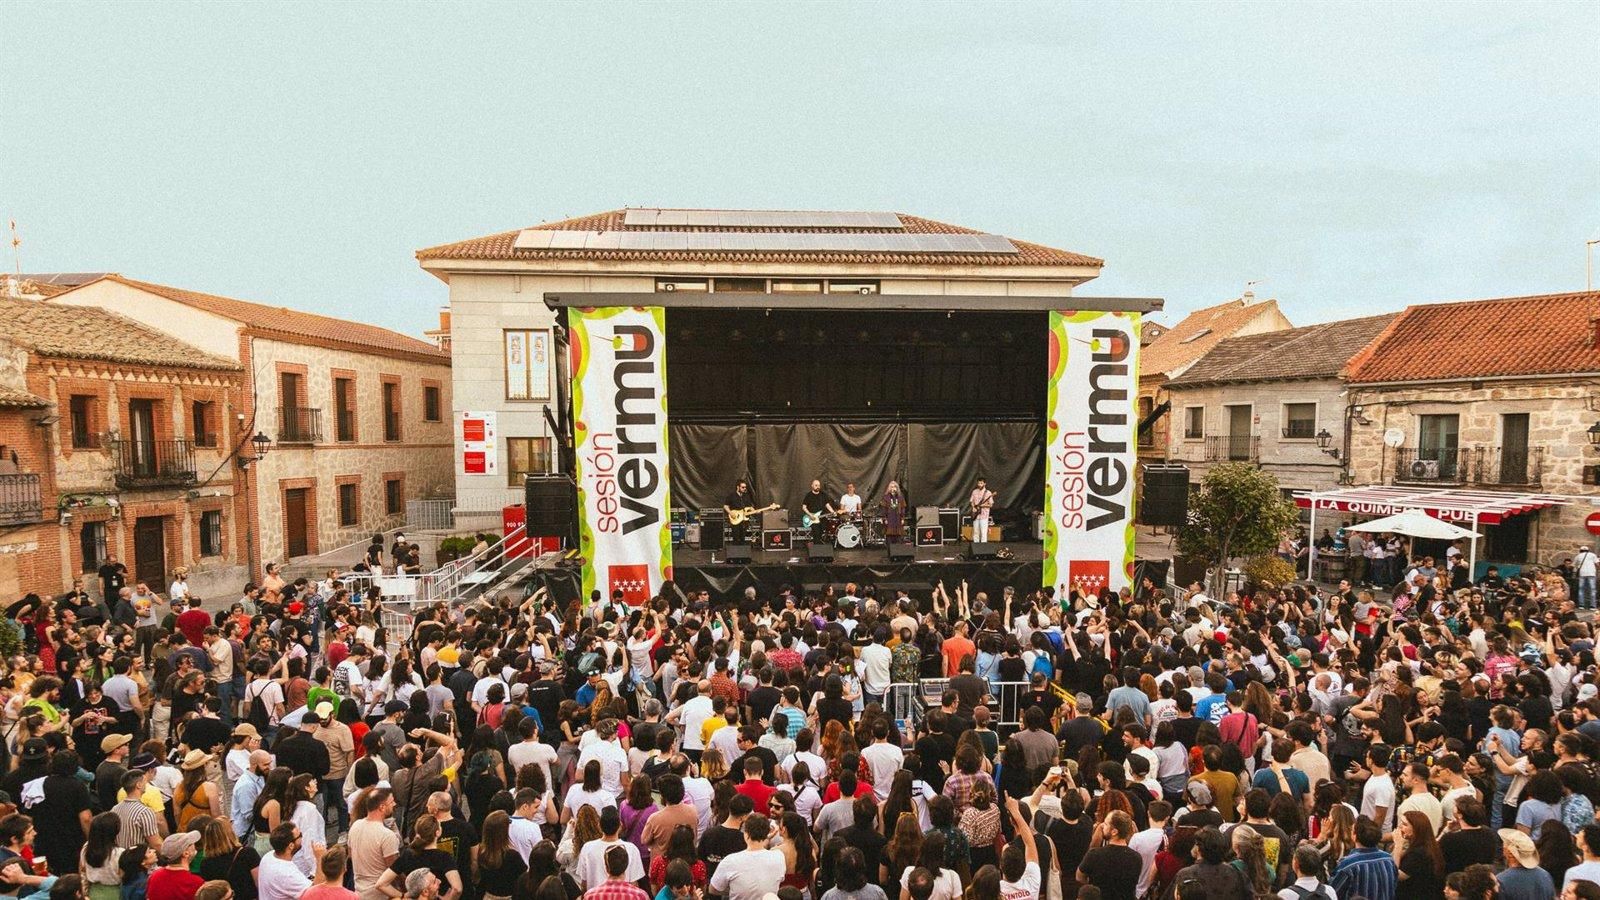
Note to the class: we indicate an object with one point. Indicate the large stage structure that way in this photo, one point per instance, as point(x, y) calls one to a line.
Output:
point(665, 400)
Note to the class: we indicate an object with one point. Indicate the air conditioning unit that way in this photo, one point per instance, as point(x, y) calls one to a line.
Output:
point(1425, 469)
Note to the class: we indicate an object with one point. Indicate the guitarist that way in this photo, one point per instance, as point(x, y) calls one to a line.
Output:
point(982, 503)
point(814, 505)
point(738, 500)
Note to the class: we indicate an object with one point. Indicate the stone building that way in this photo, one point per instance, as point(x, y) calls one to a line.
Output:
point(1170, 352)
point(1496, 396)
point(1284, 389)
point(116, 442)
point(357, 415)
point(502, 331)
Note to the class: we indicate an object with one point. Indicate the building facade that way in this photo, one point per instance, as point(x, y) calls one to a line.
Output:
point(357, 416)
point(1276, 399)
point(117, 441)
point(501, 331)
point(1495, 395)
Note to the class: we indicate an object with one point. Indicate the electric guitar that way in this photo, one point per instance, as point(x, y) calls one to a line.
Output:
point(738, 516)
point(808, 519)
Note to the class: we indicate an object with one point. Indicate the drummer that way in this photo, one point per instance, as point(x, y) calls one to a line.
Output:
point(813, 507)
point(850, 501)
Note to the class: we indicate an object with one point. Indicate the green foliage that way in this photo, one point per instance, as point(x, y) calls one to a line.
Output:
point(1237, 511)
point(10, 639)
point(460, 545)
point(1268, 569)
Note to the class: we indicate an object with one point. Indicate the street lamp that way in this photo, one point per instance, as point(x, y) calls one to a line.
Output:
point(262, 444)
point(1594, 434)
point(1325, 443)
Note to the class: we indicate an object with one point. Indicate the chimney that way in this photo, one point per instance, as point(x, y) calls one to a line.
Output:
point(444, 320)
point(1248, 297)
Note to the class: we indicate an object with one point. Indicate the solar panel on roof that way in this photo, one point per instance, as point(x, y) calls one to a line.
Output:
point(568, 240)
point(534, 239)
point(763, 241)
point(758, 218)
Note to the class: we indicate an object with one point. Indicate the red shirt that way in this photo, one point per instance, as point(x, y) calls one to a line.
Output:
point(759, 792)
point(172, 884)
point(193, 623)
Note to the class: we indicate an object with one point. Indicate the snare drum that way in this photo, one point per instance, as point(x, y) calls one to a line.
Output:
point(849, 536)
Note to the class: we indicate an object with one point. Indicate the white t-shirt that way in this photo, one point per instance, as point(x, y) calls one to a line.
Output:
point(875, 659)
point(280, 879)
point(524, 834)
point(1146, 843)
point(850, 503)
point(1586, 563)
point(694, 714)
point(698, 792)
point(591, 863)
point(577, 796)
point(1026, 888)
point(751, 874)
point(271, 694)
point(1379, 792)
point(946, 884)
point(613, 762)
point(540, 754)
point(883, 760)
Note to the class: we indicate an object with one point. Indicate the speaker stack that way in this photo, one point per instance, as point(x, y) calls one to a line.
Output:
point(1166, 496)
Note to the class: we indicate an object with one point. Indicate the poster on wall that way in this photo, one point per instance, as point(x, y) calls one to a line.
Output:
point(1090, 439)
point(619, 405)
point(478, 452)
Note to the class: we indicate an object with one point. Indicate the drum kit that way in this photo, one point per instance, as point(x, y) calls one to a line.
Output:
point(848, 531)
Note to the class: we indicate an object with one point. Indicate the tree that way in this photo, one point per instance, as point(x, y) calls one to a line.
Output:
point(1238, 510)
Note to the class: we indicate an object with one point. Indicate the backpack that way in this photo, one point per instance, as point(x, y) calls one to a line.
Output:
point(1309, 893)
point(258, 714)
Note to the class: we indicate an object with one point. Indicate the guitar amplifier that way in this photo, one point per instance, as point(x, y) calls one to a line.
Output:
point(777, 539)
point(930, 535)
point(950, 521)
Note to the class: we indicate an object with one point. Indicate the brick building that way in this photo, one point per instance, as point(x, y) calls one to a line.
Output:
point(358, 416)
point(116, 442)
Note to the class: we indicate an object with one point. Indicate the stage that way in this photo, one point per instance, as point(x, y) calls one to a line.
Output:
point(767, 571)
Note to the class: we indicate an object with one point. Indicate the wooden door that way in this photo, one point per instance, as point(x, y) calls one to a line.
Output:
point(294, 515)
point(142, 434)
point(1514, 448)
point(150, 552)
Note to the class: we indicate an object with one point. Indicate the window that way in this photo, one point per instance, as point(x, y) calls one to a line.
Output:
point(211, 532)
point(1194, 423)
point(83, 436)
point(92, 544)
point(349, 502)
point(200, 420)
point(527, 357)
point(796, 286)
point(430, 403)
point(344, 409)
point(393, 499)
point(527, 456)
point(1299, 420)
point(739, 285)
point(391, 411)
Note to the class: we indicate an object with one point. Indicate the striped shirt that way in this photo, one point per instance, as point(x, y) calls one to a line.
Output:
point(1365, 872)
point(138, 824)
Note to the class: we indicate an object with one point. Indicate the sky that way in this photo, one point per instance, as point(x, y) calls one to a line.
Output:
point(1351, 158)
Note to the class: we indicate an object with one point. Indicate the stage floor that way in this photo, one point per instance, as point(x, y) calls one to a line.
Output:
point(768, 571)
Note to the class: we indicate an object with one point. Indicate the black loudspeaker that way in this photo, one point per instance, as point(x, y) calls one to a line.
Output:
point(737, 553)
point(713, 532)
point(819, 552)
point(927, 516)
point(1155, 569)
point(902, 552)
point(552, 502)
point(1166, 496)
point(981, 550)
point(950, 521)
point(775, 520)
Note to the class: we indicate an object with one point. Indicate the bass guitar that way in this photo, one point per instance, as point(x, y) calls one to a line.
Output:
point(739, 516)
point(809, 519)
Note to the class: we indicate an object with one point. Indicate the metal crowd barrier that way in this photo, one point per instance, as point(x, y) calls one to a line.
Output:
point(908, 702)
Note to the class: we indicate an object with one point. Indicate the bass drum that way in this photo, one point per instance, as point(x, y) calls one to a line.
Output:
point(849, 536)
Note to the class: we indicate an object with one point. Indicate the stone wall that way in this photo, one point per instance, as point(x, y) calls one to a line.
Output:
point(1297, 463)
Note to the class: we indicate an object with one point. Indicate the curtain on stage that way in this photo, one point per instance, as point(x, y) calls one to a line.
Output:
point(789, 456)
point(706, 461)
point(946, 460)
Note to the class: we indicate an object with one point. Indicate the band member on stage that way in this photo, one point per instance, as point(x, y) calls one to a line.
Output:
point(850, 501)
point(813, 506)
point(982, 502)
point(893, 509)
point(738, 500)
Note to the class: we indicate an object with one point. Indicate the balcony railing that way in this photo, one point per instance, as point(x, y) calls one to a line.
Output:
point(20, 500)
point(1233, 447)
point(1492, 466)
point(142, 464)
point(299, 425)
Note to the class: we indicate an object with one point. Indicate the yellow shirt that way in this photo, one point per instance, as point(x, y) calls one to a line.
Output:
point(709, 727)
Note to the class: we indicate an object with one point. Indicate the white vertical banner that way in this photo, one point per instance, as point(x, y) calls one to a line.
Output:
point(619, 402)
point(1090, 442)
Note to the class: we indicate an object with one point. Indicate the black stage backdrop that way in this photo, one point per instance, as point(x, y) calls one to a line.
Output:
point(935, 464)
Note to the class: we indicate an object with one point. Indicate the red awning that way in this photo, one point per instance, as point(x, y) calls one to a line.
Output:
point(1461, 507)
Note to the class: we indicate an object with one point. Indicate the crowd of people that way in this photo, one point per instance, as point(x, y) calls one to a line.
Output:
point(1426, 739)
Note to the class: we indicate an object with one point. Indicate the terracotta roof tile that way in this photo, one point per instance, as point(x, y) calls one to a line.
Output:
point(1551, 334)
point(15, 398)
point(1181, 345)
point(293, 322)
point(1315, 351)
point(80, 332)
point(501, 246)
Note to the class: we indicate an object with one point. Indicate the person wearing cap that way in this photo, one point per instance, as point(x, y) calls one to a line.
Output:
point(302, 753)
point(108, 775)
point(1587, 565)
point(173, 880)
point(339, 743)
point(1197, 810)
point(1522, 879)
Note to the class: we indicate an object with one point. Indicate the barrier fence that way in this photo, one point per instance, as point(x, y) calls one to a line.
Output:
point(908, 702)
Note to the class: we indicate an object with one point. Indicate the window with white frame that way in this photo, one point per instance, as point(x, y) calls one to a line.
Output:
point(527, 362)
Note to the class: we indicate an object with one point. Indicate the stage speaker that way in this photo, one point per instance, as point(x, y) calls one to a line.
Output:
point(775, 520)
point(950, 521)
point(982, 550)
point(1166, 496)
point(927, 516)
point(713, 532)
point(819, 552)
point(1156, 569)
point(737, 553)
point(552, 503)
point(902, 552)
point(777, 539)
point(930, 535)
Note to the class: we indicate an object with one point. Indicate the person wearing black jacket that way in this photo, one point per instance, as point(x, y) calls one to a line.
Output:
point(303, 754)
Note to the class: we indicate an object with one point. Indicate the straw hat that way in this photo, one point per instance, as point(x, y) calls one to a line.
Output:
point(195, 759)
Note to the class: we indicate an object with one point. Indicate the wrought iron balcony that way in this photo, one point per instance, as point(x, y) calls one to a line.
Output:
point(1512, 466)
point(299, 425)
point(1488, 466)
point(1233, 447)
point(20, 500)
point(145, 464)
